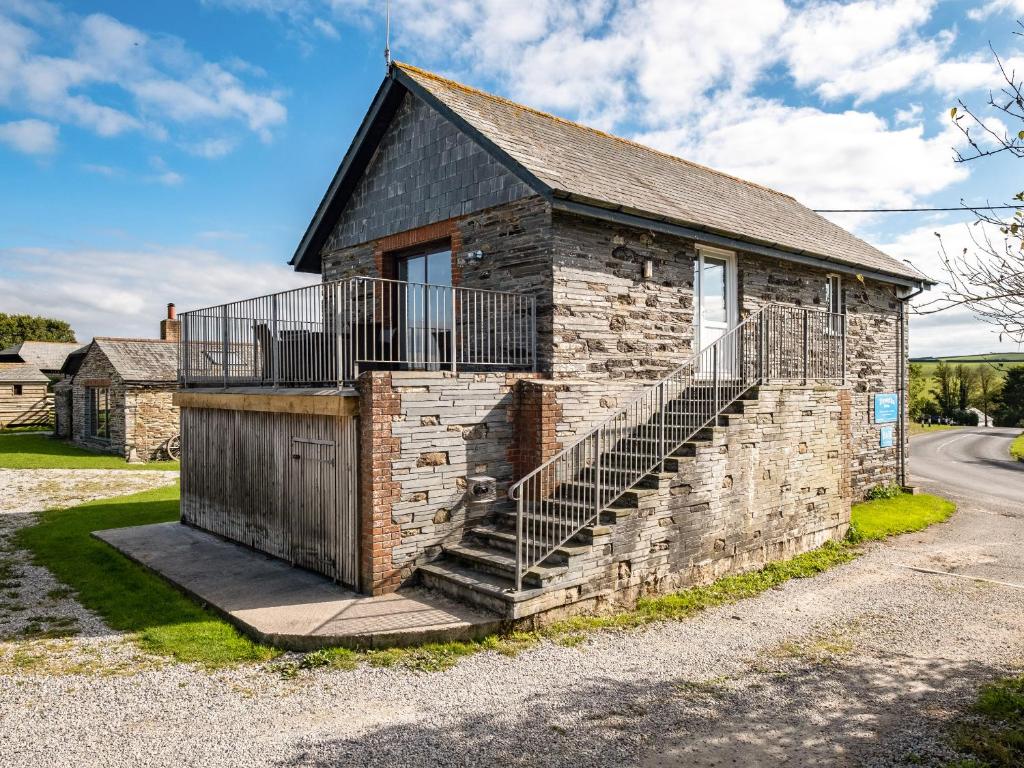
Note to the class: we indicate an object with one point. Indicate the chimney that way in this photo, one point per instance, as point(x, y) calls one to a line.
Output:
point(170, 329)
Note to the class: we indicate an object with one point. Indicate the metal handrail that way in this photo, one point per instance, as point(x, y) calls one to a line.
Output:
point(326, 334)
point(570, 490)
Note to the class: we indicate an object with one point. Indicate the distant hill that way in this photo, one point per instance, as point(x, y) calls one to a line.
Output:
point(991, 357)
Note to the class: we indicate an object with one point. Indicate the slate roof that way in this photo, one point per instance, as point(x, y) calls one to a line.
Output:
point(149, 361)
point(582, 163)
point(22, 373)
point(566, 161)
point(44, 355)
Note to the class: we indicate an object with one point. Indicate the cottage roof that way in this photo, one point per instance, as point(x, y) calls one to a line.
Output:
point(22, 373)
point(44, 355)
point(148, 361)
point(592, 172)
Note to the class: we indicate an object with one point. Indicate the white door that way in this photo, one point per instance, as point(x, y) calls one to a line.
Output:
point(715, 298)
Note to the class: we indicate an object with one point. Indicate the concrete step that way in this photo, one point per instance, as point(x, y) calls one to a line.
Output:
point(504, 539)
point(500, 563)
point(506, 519)
point(487, 591)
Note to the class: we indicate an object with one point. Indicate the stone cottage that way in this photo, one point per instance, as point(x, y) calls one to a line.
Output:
point(24, 396)
point(546, 368)
point(120, 395)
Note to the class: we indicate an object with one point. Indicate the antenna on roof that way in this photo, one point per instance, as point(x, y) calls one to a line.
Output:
point(387, 34)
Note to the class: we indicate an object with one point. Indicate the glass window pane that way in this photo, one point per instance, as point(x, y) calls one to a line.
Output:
point(712, 283)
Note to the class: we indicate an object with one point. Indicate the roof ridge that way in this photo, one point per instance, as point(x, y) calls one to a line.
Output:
point(462, 86)
point(129, 338)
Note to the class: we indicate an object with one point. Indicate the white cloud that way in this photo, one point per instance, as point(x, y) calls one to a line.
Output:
point(165, 175)
point(993, 7)
point(211, 148)
point(127, 290)
point(862, 49)
point(101, 170)
point(32, 137)
point(825, 159)
point(163, 80)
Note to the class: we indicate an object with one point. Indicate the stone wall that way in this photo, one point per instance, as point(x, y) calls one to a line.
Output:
point(63, 408)
point(514, 256)
point(142, 417)
point(608, 321)
point(611, 325)
point(425, 170)
point(773, 482)
point(424, 434)
point(96, 371)
point(151, 419)
point(872, 356)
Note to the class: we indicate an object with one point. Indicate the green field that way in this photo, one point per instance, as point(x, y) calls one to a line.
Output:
point(1000, 361)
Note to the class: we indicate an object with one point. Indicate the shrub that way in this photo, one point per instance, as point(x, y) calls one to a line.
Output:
point(967, 418)
point(883, 491)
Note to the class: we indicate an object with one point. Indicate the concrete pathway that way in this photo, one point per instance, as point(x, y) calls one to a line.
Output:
point(291, 607)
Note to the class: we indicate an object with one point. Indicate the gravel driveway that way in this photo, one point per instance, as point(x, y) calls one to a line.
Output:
point(862, 665)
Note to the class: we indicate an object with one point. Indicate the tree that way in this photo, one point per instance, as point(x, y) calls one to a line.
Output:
point(946, 384)
point(15, 329)
point(989, 386)
point(965, 385)
point(918, 396)
point(989, 279)
point(1011, 409)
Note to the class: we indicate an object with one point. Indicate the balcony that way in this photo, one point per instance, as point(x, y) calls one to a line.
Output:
point(325, 335)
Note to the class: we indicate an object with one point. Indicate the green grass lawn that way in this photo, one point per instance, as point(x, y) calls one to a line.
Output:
point(1017, 447)
point(993, 736)
point(165, 622)
point(923, 429)
point(128, 597)
point(19, 430)
point(875, 520)
point(40, 452)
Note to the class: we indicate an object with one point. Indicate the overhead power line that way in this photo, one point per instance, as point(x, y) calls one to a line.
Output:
point(918, 210)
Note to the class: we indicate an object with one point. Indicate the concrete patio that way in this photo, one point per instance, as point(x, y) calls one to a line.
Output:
point(289, 607)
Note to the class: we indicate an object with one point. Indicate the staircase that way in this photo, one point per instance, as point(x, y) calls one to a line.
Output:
point(548, 546)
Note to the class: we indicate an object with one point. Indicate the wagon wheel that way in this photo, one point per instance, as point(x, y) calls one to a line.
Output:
point(173, 447)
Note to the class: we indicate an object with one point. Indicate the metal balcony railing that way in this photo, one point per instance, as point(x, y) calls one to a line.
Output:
point(327, 334)
point(569, 491)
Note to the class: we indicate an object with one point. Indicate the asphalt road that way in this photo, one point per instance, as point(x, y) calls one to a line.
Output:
point(969, 463)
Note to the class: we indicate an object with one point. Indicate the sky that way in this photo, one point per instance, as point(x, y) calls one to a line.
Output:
point(175, 151)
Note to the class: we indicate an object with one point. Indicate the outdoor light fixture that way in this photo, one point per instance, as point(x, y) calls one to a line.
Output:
point(648, 269)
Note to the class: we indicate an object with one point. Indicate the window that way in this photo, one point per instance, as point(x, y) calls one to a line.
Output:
point(19, 389)
point(425, 310)
point(834, 294)
point(99, 412)
point(834, 304)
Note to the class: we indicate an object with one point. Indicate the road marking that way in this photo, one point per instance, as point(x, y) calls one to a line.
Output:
point(962, 576)
point(942, 447)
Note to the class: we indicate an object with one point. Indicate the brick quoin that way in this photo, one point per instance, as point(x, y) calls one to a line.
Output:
point(378, 534)
point(536, 420)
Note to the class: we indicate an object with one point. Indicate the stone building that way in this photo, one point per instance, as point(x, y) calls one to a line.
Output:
point(546, 368)
point(119, 395)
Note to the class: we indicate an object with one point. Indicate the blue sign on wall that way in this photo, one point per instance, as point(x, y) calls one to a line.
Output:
point(886, 440)
point(887, 407)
